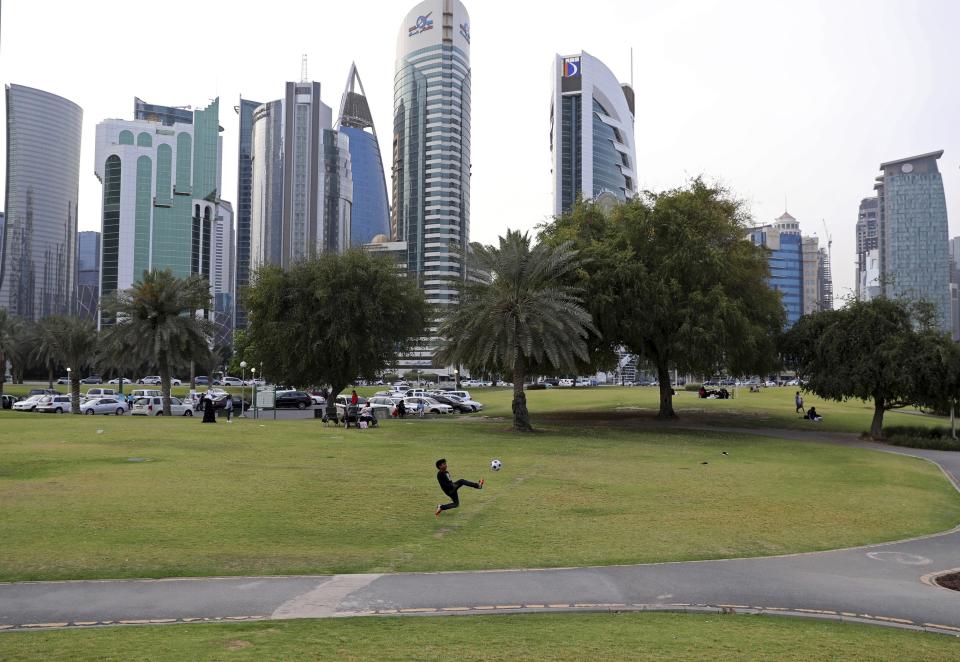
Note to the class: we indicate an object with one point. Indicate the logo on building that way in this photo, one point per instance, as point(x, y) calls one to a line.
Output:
point(465, 31)
point(423, 24)
point(571, 67)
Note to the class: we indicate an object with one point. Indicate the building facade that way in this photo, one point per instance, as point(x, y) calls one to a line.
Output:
point(88, 275)
point(371, 211)
point(161, 192)
point(913, 232)
point(955, 287)
point(785, 245)
point(244, 206)
point(38, 261)
point(301, 195)
point(591, 133)
point(868, 239)
point(165, 115)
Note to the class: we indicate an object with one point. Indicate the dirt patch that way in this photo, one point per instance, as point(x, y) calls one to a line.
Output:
point(951, 581)
point(238, 645)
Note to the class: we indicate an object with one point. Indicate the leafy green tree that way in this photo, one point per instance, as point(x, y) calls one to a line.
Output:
point(524, 322)
point(11, 332)
point(888, 351)
point(672, 277)
point(156, 323)
point(333, 319)
point(71, 342)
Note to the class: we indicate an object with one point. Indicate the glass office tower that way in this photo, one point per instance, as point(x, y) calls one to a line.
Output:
point(371, 211)
point(785, 245)
point(591, 133)
point(38, 262)
point(244, 202)
point(88, 275)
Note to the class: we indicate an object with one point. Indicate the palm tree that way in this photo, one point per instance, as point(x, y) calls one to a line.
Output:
point(70, 341)
point(523, 320)
point(11, 328)
point(156, 322)
point(45, 345)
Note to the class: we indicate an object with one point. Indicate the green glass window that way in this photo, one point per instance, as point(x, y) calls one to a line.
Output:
point(164, 174)
point(184, 162)
point(126, 137)
point(141, 228)
point(144, 139)
point(111, 223)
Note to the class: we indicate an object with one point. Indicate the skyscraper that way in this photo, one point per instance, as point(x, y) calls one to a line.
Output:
point(371, 211)
point(244, 206)
point(161, 191)
point(591, 133)
point(302, 192)
point(88, 275)
point(868, 225)
point(955, 287)
point(431, 145)
point(38, 262)
point(784, 242)
point(914, 254)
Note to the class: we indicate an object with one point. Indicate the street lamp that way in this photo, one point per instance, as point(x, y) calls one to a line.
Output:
point(456, 378)
point(243, 386)
point(253, 371)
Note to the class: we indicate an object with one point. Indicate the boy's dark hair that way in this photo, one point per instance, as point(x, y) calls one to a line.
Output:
point(442, 460)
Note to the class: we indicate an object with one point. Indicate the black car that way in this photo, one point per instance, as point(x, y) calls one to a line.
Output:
point(297, 399)
point(457, 405)
point(92, 379)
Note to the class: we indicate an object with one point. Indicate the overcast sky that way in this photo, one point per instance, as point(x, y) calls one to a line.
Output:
point(799, 100)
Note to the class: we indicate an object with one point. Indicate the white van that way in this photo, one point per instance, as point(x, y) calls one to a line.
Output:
point(145, 393)
point(99, 393)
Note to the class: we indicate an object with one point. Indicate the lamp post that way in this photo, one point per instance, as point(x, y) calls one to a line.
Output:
point(456, 378)
point(253, 371)
point(243, 386)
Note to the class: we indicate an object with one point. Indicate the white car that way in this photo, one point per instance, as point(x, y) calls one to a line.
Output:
point(116, 380)
point(318, 400)
point(231, 381)
point(384, 406)
point(426, 405)
point(29, 404)
point(154, 380)
point(565, 382)
point(463, 395)
point(103, 406)
point(153, 406)
point(54, 404)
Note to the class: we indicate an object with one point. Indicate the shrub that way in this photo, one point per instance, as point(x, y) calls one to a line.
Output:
point(933, 438)
point(692, 387)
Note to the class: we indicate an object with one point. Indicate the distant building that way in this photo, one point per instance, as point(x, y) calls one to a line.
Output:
point(913, 232)
point(244, 202)
point(38, 262)
point(784, 242)
point(302, 189)
point(868, 284)
point(222, 273)
point(161, 196)
point(868, 238)
point(812, 264)
point(370, 210)
point(955, 287)
point(165, 115)
point(591, 133)
point(2, 225)
point(88, 275)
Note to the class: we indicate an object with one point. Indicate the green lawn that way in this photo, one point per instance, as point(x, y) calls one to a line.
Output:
point(295, 497)
point(628, 636)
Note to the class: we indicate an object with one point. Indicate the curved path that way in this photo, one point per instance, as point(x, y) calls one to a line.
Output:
point(887, 584)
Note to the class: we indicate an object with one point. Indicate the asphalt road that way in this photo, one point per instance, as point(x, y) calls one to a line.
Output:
point(889, 584)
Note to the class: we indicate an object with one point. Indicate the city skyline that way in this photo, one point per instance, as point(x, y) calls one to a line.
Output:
point(721, 89)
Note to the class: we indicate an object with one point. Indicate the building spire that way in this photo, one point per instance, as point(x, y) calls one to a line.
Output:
point(303, 69)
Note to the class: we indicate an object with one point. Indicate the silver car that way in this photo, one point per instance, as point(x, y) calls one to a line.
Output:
point(103, 406)
point(426, 406)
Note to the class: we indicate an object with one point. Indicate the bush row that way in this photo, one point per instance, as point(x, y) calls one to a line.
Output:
point(939, 439)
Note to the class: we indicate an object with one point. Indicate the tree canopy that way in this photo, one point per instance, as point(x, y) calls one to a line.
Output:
point(526, 320)
point(334, 318)
point(889, 351)
point(672, 278)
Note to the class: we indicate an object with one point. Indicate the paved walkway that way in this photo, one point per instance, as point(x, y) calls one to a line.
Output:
point(888, 584)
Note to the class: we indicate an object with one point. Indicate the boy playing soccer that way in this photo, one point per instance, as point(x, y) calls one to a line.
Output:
point(450, 488)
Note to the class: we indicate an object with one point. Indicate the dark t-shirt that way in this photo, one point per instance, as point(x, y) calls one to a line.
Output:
point(443, 477)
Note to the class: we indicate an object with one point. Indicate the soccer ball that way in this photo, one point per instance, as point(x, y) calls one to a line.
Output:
point(495, 465)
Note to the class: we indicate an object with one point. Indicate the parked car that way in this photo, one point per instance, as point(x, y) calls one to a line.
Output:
point(153, 406)
point(318, 399)
point(297, 399)
point(414, 392)
point(28, 404)
point(154, 380)
point(116, 380)
point(63, 380)
point(202, 380)
point(231, 381)
point(98, 392)
point(7, 400)
point(463, 395)
point(426, 406)
point(103, 406)
point(54, 404)
point(473, 404)
point(44, 391)
point(145, 393)
point(383, 406)
point(453, 401)
point(92, 379)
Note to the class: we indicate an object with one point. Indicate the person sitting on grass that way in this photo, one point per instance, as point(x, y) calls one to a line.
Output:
point(367, 416)
point(813, 415)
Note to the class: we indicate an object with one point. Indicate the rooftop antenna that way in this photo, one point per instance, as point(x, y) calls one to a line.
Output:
point(303, 69)
point(631, 68)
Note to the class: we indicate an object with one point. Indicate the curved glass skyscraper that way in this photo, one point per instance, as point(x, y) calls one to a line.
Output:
point(38, 263)
point(591, 133)
point(431, 145)
point(371, 211)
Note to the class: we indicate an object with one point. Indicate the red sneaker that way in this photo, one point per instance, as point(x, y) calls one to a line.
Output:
point(438, 511)
point(481, 483)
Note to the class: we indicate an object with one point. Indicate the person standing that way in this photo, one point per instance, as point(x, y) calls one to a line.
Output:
point(209, 408)
point(229, 407)
point(798, 400)
point(354, 398)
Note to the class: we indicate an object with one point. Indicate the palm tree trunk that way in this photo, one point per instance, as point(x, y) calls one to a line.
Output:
point(165, 383)
point(521, 417)
point(666, 390)
point(75, 392)
point(3, 371)
point(50, 377)
point(876, 426)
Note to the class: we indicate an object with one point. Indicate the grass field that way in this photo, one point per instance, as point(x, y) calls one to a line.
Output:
point(514, 637)
point(87, 497)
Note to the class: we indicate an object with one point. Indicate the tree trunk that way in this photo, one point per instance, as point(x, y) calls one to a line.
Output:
point(193, 376)
point(165, 383)
point(331, 406)
point(50, 378)
point(75, 393)
point(3, 371)
point(521, 417)
point(876, 427)
point(666, 391)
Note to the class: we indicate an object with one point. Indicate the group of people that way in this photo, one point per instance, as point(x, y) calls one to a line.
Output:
point(720, 394)
point(807, 414)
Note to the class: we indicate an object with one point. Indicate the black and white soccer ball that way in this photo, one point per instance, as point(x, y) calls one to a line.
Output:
point(495, 465)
